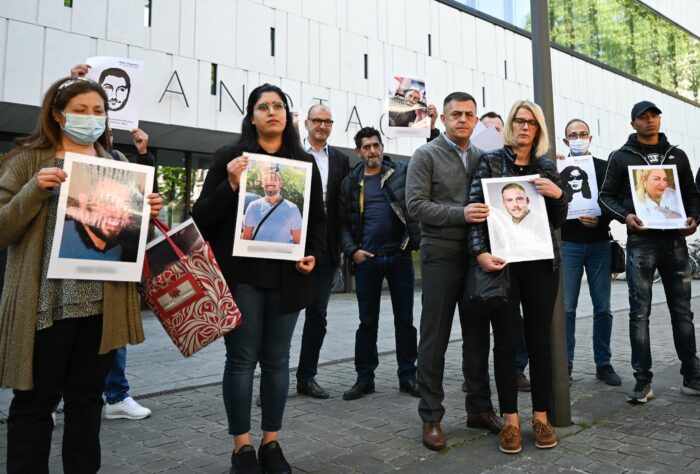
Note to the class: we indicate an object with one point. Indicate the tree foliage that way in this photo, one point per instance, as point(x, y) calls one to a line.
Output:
point(630, 37)
point(293, 180)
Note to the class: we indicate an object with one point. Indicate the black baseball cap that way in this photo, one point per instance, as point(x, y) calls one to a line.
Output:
point(641, 107)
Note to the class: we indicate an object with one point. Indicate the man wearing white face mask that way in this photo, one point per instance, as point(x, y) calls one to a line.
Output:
point(585, 244)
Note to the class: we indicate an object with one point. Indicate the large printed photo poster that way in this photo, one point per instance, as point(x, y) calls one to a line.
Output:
point(406, 106)
point(517, 222)
point(273, 208)
point(657, 196)
point(102, 220)
point(580, 185)
point(122, 81)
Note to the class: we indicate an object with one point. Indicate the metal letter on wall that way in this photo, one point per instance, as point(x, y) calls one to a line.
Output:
point(180, 92)
point(353, 111)
point(222, 87)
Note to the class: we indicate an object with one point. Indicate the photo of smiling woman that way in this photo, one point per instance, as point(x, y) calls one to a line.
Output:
point(269, 292)
point(657, 200)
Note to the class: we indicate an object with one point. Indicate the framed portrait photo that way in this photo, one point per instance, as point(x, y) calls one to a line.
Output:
point(517, 222)
point(580, 185)
point(273, 208)
point(102, 220)
point(406, 107)
point(657, 196)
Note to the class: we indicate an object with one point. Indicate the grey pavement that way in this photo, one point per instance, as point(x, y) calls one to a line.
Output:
point(381, 432)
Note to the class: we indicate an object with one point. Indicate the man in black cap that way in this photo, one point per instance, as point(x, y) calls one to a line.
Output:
point(651, 249)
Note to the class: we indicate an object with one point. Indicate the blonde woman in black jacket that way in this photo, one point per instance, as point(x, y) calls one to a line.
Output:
point(534, 284)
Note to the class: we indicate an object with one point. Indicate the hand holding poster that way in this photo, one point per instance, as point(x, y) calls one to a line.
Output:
point(407, 107)
point(657, 196)
point(102, 220)
point(580, 185)
point(517, 222)
point(122, 81)
point(272, 218)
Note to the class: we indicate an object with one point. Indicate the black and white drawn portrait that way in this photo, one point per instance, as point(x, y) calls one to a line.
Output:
point(117, 84)
point(580, 186)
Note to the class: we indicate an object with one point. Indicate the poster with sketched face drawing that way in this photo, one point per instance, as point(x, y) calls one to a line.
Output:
point(657, 196)
point(122, 81)
point(406, 106)
point(580, 185)
point(517, 222)
point(274, 211)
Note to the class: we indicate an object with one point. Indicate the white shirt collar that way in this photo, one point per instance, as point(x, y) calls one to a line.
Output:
point(309, 148)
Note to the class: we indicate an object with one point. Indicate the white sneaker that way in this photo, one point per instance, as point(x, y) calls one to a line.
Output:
point(127, 408)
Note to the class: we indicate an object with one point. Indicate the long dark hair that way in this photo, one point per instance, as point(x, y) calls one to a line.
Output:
point(48, 131)
point(249, 134)
point(566, 177)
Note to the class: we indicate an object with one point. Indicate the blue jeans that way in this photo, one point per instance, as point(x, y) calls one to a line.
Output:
point(595, 257)
point(670, 255)
point(315, 319)
point(116, 385)
point(264, 336)
point(369, 276)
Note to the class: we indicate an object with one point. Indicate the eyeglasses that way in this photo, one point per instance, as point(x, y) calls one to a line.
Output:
point(575, 178)
point(317, 122)
point(276, 107)
point(574, 135)
point(521, 122)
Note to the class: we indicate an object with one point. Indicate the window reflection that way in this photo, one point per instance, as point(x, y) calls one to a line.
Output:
point(623, 34)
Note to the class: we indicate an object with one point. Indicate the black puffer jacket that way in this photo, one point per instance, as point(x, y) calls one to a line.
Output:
point(501, 163)
point(394, 189)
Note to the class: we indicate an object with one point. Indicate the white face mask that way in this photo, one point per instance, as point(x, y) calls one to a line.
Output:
point(579, 146)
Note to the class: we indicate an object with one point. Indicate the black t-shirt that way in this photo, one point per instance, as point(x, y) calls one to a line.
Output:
point(654, 153)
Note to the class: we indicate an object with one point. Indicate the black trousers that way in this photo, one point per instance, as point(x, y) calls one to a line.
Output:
point(534, 285)
point(66, 364)
point(477, 342)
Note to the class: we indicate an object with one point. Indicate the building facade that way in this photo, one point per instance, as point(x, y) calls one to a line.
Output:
point(202, 58)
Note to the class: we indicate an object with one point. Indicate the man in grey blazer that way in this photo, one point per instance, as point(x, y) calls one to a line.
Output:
point(437, 191)
point(333, 166)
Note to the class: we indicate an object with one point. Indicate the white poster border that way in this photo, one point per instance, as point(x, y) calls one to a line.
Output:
point(84, 269)
point(546, 250)
point(272, 250)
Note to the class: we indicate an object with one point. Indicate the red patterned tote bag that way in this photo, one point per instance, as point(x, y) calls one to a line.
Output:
point(183, 285)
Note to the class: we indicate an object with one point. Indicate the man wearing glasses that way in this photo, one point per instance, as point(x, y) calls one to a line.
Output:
point(333, 166)
point(586, 245)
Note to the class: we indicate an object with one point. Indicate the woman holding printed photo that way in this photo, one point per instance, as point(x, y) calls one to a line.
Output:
point(269, 293)
point(534, 284)
point(57, 337)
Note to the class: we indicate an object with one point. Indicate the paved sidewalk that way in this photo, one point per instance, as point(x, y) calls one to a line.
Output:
point(381, 432)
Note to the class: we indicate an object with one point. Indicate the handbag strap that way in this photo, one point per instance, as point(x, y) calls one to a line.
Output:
point(266, 216)
point(164, 230)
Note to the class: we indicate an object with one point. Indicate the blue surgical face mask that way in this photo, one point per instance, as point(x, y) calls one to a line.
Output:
point(84, 129)
point(579, 146)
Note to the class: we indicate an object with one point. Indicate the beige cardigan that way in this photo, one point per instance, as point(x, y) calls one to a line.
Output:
point(23, 210)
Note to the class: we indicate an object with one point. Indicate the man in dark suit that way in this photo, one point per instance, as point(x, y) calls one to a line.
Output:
point(333, 165)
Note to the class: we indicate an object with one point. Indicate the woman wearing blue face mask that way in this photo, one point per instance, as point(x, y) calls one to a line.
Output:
point(57, 337)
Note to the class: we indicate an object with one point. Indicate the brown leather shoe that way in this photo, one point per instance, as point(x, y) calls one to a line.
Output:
point(487, 419)
point(433, 437)
point(545, 437)
point(510, 439)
